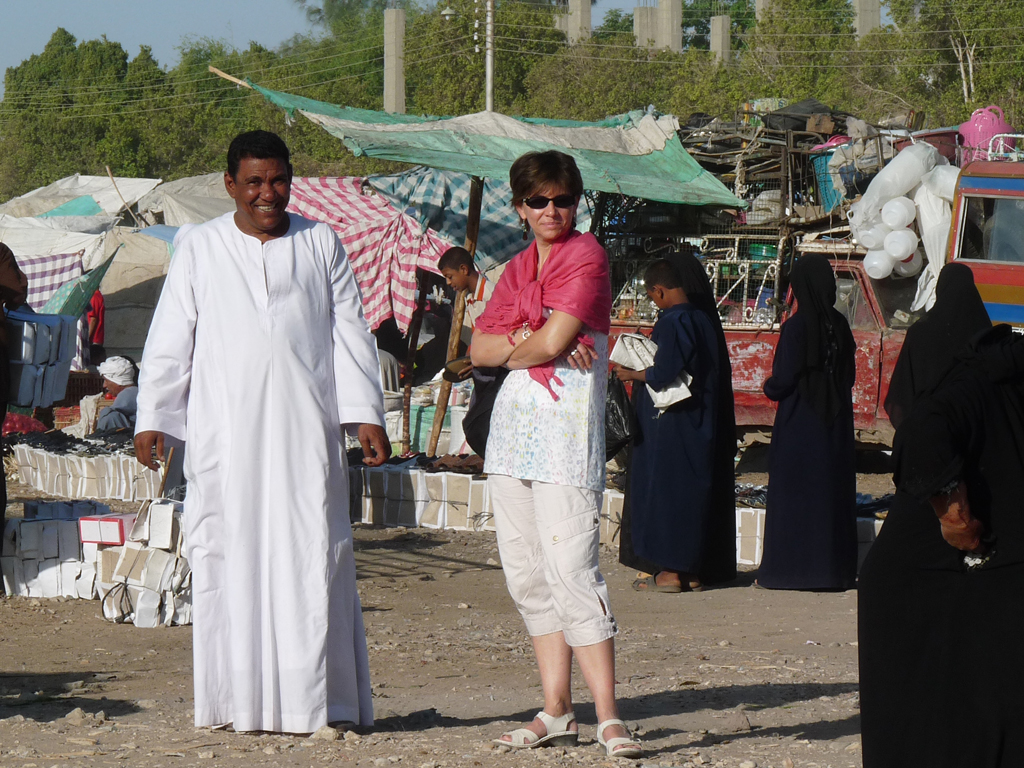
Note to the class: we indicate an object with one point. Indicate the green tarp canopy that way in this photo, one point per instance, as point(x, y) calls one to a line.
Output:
point(634, 154)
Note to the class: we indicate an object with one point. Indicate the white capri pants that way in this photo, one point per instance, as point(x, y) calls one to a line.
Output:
point(548, 537)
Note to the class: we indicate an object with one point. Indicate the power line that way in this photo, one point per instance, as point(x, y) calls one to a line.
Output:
point(773, 66)
point(278, 79)
point(234, 98)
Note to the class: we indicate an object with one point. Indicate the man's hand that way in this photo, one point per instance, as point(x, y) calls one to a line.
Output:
point(376, 446)
point(144, 442)
point(959, 528)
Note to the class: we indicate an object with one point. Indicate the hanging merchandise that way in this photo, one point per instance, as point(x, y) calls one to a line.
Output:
point(909, 266)
point(898, 213)
point(875, 237)
point(878, 264)
point(895, 180)
point(900, 243)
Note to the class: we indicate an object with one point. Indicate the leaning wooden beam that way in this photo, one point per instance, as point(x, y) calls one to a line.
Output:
point(476, 196)
point(410, 360)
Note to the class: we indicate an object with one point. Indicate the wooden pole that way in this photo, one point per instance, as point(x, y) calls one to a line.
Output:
point(410, 361)
point(476, 196)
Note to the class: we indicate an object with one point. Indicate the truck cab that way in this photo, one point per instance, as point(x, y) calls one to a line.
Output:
point(987, 234)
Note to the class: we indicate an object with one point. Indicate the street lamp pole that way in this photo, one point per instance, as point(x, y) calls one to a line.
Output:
point(489, 57)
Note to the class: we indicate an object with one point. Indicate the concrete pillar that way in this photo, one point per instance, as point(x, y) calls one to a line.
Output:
point(867, 16)
point(760, 6)
point(394, 60)
point(562, 23)
point(645, 23)
point(670, 25)
point(721, 37)
point(578, 20)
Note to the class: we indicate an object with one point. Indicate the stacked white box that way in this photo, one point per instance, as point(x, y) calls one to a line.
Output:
point(749, 535)
point(42, 555)
point(116, 476)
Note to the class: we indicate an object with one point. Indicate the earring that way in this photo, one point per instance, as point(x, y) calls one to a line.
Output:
point(526, 229)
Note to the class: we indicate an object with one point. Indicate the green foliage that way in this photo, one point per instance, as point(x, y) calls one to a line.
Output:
point(615, 23)
point(80, 106)
point(697, 20)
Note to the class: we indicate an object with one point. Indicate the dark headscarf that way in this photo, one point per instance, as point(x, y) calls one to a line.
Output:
point(829, 343)
point(934, 342)
point(697, 286)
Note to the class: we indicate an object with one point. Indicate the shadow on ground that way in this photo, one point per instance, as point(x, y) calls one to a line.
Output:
point(49, 697)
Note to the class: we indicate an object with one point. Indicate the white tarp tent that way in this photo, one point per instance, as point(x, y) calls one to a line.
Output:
point(187, 201)
point(40, 237)
point(102, 190)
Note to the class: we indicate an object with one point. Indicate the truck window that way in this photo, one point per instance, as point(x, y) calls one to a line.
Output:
point(992, 229)
point(896, 294)
point(854, 307)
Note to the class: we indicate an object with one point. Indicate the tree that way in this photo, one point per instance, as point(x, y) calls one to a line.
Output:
point(697, 21)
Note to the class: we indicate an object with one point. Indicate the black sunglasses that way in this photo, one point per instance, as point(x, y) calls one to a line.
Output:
point(539, 202)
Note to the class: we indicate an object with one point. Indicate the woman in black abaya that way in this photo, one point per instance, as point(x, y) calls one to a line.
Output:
point(719, 559)
point(941, 593)
point(810, 538)
point(934, 341)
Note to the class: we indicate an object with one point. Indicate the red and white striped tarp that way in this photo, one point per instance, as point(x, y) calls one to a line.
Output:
point(384, 245)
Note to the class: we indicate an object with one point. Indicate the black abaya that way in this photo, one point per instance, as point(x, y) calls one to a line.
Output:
point(933, 342)
point(939, 643)
point(810, 538)
point(671, 469)
point(719, 552)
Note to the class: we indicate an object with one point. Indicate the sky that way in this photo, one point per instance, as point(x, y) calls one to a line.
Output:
point(162, 24)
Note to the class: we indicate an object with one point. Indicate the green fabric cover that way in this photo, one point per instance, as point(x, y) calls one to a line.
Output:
point(85, 205)
point(669, 175)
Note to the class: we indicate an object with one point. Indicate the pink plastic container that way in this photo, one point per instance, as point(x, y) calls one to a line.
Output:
point(983, 125)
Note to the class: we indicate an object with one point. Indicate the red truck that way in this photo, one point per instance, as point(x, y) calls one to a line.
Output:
point(878, 314)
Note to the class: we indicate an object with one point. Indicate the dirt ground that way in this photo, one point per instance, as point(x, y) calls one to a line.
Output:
point(733, 676)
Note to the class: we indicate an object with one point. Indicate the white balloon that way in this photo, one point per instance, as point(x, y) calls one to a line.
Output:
point(909, 266)
point(875, 237)
point(899, 212)
point(900, 243)
point(878, 264)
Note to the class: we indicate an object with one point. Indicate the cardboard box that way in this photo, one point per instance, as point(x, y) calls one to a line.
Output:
point(158, 571)
point(373, 511)
point(85, 586)
point(749, 535)
point(132, 564)
point(164, 519)
point(68, 545)
point(108, 560)
point(374, 479)
point(49, 578)
point(30, 539)
point(106, 529)
point(14, 575)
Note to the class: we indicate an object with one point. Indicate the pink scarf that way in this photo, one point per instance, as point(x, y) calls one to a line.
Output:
point(574, 280)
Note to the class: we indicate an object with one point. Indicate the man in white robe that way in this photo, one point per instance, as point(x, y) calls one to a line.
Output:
point(259, 356)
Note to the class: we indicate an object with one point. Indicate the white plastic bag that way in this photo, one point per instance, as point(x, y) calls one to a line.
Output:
point(636, 352)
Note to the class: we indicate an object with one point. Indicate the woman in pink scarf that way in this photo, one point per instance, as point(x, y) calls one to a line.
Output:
point(548, 322)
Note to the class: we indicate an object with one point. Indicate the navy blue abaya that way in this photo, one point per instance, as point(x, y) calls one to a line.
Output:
point(810, 537)
point(673, 456)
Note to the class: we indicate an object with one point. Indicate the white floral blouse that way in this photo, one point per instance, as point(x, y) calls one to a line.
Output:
point(535, 437)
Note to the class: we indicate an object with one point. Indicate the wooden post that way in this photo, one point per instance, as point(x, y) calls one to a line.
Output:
point(476, 196)
point(410, 361)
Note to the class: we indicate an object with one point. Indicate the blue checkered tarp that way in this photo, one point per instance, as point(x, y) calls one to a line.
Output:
point(440, 200)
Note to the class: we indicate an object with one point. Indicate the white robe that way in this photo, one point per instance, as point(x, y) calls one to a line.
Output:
point(256, 355)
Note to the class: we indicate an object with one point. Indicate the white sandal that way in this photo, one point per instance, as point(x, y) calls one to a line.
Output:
point(618, 746)
point(558, 734)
